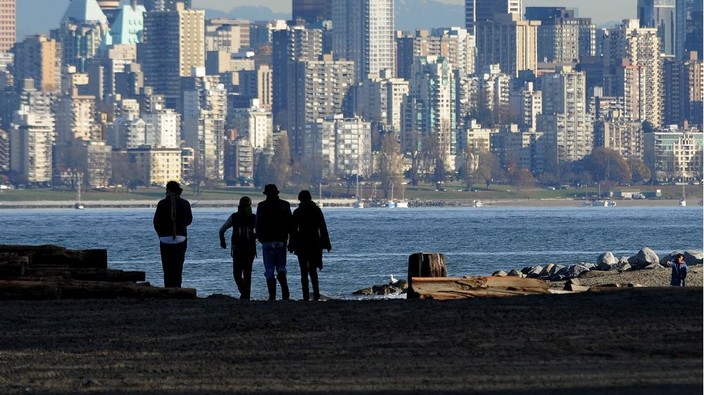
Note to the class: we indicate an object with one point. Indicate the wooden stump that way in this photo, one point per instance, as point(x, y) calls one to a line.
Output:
point(424, 264)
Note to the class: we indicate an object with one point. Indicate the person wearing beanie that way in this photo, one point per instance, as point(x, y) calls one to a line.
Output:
point(243, 247)
point(171, 219)
point(308, 240)
point(273, 227)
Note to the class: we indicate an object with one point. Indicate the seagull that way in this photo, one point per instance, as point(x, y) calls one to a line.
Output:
point(393, 280)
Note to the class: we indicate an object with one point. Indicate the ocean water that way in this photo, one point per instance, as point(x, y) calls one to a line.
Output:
point(371, 244)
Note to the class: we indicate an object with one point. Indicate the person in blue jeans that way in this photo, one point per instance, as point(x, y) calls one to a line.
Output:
point(273, 228)
point(679, 271)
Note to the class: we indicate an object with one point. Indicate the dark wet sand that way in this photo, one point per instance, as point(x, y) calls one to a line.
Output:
point(631, 341)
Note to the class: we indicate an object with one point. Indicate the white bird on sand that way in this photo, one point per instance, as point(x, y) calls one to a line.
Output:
point(393, 280)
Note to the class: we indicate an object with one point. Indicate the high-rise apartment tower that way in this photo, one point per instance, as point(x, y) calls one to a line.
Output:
point(7, 24)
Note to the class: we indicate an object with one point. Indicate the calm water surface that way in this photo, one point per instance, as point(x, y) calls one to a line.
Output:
point(371, 244)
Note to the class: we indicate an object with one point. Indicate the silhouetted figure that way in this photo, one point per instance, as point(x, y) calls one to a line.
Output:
point(308, 240)
point(172, 217)
point(273, 227)
point(679, 271)
point(243, 247)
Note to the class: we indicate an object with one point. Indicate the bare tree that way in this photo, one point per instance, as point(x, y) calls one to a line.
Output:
point(281, 163)
point(390, 163)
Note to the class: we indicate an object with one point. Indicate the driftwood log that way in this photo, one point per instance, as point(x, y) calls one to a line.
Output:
point(57, 256)
point(53, 272)
point(476, 286)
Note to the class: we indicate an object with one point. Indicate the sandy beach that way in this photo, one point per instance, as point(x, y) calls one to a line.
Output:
point(626, 341)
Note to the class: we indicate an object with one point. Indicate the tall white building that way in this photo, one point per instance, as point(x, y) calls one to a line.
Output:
point(204, 114)
point(341, 146)
point(429, 109)
point(253, 124)
point(565, 122)
point(633, 69)
point(363, 32)
point(163, 128)
point(320, 90)
point(674, 154)
point(379, 100)
point(76, 119)
point(526, 105)
point(32, 138)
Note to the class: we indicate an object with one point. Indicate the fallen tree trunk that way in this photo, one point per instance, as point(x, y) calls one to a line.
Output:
point(444, 288)
point(108, 275)
point(77, 289)
point(58, 256)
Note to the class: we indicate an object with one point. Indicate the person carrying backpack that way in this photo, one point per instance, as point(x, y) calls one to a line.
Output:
point(243, 246)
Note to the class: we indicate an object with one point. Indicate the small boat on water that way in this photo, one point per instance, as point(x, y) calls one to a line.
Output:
point(683, 199)
point(402, 204)
point(358, 204)
point(600, 203)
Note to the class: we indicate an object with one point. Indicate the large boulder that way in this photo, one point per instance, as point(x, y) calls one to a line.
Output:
point(622, 266)
point(693, 257)
point(606, 260)
point(577, 270)
point(643, 258)
point(535, 271)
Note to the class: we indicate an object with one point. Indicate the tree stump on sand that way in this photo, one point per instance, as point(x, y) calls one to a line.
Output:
point(424, 264)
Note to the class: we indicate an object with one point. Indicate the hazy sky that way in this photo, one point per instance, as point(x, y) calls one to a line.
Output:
point(42, 15)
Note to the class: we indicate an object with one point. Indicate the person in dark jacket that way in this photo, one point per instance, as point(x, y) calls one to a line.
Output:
point(243, 247)
point(273, 227)
point(308, 240)
point(172, 217)
point(679, 271)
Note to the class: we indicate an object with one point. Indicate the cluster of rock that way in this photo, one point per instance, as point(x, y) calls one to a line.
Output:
point(394, 287)
point(646, 258)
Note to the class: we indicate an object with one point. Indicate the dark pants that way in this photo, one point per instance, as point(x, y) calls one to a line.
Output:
point(309, 262)
point(172, 257)
point(242, 270)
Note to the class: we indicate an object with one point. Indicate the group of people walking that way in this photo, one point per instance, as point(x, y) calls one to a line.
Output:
point(303, 232)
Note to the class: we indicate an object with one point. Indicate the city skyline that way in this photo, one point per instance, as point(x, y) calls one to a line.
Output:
point(29, 21)
point(521, 94)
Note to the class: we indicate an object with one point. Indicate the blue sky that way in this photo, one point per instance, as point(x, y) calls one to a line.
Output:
point(35, 16)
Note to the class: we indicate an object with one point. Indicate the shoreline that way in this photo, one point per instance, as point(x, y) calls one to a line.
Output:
point(342, 203)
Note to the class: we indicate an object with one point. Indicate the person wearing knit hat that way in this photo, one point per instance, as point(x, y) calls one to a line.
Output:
point(243, 247)
point(171, 219)
point(273, 228)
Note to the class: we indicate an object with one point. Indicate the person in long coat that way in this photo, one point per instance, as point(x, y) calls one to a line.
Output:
point(309, 238)
point(243, 247)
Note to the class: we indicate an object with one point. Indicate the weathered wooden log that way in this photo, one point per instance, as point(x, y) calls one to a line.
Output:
point(9, 270)
point(477, 286)
point(423, 264)
point(77, 289)
point(60, 256)
point(108, 275)
point(29, 290)
point(13, 266)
